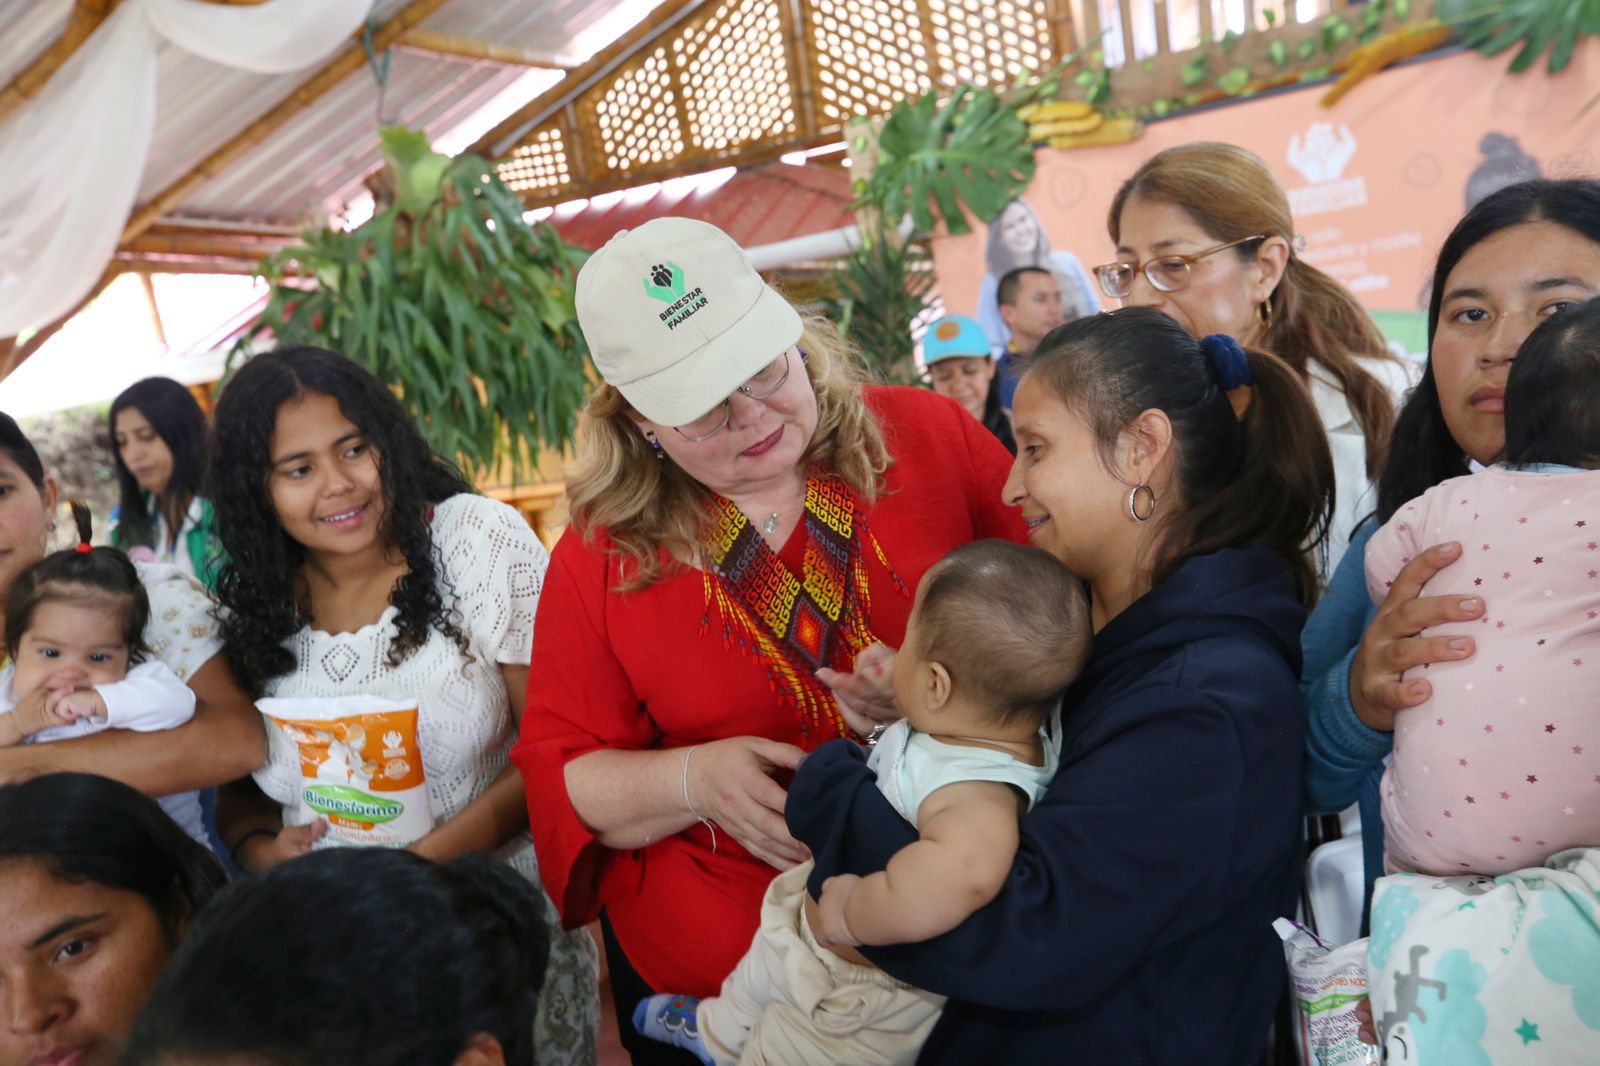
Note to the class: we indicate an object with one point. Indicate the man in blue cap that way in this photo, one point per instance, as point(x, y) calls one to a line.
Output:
point(956, 353)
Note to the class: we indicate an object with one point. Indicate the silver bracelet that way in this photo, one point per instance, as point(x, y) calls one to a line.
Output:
point(876, 734)
point(689, 803)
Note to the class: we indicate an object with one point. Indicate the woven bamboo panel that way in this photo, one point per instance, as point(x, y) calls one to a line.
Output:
point(734, 70)
point(866, 55)
point(988, 42)
point(634, 122)
point(539, 166)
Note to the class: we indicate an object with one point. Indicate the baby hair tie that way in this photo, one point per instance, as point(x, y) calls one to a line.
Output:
point(84, 547)
point(1228, 361)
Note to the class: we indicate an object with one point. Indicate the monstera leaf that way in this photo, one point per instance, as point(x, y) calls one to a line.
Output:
point(971, 151)
point(1535, 25)
point(448, 295)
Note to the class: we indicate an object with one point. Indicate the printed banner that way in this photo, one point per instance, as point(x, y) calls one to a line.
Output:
point(1375, 183)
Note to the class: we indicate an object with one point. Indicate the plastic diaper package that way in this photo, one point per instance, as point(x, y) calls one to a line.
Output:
point(1327, 984)
point(360, 766)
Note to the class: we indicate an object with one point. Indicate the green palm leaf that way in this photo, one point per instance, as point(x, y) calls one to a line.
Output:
point(882, 289)
point(1534, 25)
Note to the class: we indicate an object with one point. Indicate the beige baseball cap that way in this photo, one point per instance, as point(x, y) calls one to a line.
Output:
point(677, 318)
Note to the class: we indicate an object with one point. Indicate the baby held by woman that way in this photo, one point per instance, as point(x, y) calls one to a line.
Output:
point(996, 634)
point(1496, 771)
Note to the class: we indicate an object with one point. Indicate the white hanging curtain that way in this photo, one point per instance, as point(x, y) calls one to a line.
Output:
point(71, 160)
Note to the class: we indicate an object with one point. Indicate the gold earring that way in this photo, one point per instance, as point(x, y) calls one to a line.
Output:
point(1264, 313)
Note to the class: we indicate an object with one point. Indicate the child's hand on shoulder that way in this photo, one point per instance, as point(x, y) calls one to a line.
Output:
point(835, 931)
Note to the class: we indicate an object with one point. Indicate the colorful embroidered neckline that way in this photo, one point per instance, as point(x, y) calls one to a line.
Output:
point(793, 626)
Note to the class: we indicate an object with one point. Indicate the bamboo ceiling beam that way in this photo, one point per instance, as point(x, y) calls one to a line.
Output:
point(182, 264)
point(504, 136)
point(347, 62)
point(224, 246)
point(439, 44)
point(86, 17)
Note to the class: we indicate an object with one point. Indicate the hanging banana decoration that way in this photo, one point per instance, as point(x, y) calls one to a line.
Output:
point(1073, 124)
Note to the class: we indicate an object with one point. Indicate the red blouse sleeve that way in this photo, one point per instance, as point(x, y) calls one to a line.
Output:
point(579, 700)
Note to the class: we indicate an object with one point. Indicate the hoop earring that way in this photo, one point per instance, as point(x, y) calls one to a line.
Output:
point(1264, 313)
point(1133, 509)
point(655, 444)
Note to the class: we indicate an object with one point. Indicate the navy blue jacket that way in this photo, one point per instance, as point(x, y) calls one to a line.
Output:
point(1136, 924)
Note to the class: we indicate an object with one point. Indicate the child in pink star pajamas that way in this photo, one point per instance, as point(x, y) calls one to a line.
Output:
point(1500, 768)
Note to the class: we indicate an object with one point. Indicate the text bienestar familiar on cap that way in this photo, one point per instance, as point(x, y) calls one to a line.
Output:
point(677, 318)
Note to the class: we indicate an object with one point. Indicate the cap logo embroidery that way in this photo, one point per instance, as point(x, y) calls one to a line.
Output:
point(947, 331)
point(665, 282)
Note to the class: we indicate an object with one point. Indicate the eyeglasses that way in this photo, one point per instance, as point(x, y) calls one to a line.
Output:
point(1165, 273)
point(764, 383)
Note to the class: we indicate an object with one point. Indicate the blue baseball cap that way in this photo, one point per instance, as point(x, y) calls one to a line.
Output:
point(954, 337)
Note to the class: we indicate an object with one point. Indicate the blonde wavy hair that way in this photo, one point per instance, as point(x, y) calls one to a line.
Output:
point(617, 484)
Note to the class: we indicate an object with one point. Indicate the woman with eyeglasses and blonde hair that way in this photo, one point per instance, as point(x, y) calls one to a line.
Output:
point(1203, 233)
point(748, 515)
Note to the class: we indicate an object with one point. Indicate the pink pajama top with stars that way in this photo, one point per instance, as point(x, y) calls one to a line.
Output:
point(1500, 768)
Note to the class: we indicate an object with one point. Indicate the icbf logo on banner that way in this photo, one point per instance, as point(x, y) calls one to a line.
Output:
point(1321, 156)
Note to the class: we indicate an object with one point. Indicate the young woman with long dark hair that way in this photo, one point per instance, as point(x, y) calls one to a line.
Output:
point(360, 564)
point(159, 433)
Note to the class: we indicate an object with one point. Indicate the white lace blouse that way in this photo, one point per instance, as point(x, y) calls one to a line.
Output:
point(491, 567)
point(494, 566)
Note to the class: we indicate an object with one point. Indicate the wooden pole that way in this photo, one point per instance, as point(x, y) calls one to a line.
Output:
point(861, 143)
point(86, 17)
point(940, 80)
point(1125, 14)
point(155, 308)
point(439, 44)
point(1063, 33)
point(793, 18)
point(347, 62)
point(534, 113)
point(204, 245)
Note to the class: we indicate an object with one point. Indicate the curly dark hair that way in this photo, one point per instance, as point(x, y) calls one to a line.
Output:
point(259, 609)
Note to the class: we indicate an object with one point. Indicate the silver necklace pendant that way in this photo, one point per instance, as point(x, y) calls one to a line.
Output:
point(770, 526)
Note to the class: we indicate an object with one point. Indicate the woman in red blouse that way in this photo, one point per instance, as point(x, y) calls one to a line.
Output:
point(745, 512)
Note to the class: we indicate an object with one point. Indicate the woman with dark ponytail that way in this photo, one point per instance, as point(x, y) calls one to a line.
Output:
point(356, 955)
point(1187, 481)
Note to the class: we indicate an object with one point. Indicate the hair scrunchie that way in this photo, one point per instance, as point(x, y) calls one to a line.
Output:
point(1228, 361)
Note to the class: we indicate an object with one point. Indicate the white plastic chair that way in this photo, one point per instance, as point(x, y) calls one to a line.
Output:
point(1334, 889)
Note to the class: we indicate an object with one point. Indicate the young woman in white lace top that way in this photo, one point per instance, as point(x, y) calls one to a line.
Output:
point(361, 564)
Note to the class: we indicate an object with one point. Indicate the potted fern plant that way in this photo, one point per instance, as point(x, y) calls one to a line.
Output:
point(450, 296)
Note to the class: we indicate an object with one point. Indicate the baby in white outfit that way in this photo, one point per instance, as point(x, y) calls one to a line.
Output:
point(996, 634)
point(74, 625)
